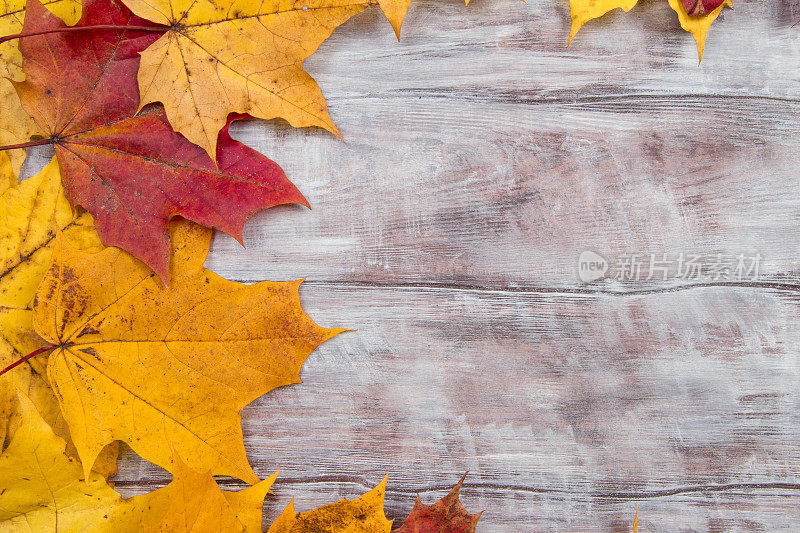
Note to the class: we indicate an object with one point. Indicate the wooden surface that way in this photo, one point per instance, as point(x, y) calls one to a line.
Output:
point(480, 157)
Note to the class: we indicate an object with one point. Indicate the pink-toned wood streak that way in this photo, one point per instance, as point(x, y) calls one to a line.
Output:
point(480, 157)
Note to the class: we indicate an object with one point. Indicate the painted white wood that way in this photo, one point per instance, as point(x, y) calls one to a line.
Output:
point(480, 158)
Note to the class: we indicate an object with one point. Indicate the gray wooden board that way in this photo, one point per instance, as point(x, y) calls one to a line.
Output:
point(480, 158)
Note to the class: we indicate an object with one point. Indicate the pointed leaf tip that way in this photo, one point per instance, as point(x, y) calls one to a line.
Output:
point(448, 514)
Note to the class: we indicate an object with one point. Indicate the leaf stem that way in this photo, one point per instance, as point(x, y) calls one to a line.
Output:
point(20, 361)
point(160, 29)
point(39, 142)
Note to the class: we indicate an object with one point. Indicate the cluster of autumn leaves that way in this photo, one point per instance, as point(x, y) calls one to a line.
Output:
point(695, 16)
point(111, 329)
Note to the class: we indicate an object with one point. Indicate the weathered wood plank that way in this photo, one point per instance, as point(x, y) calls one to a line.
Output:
point(566, 408)
point(500, 195)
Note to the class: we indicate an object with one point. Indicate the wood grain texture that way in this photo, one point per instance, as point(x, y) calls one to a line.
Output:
point(480, 157)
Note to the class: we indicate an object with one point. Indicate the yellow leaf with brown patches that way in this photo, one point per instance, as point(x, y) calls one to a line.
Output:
point(197, 505)
point(167, 369)
point(30, 216)
point(362, 515)
point(697, 26)
point(225, 56)
point(16, 126)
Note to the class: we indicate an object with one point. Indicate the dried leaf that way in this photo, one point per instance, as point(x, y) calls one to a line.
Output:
point(8, 177)
point(697, 26)
point(583, 11)
point(15, 127)
point(447, 515)
point(167, 369)
point(30, 216)
point(43, 489)
point(15, 124)
point(395, 11)
point(133, 174)
point(224, 56)
point(363, 515)
point(197, 505)
point(41, 395)
point(700, 8)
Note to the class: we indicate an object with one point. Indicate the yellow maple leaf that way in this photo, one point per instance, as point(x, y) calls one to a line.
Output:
point(197, 505)
point(583, 11)
point(15, 124)
point(42, 397)
point(395, 12)
point(225, 56)
point(7, 177)
point(166, 369)
point(30, 216)
point(697, 26)
point(44, 490)
point(362, 515)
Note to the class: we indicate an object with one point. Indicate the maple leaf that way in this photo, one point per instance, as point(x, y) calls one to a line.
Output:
point(700, 8)
point(364, 514)
point(8, 177)
point(447, 515)
point(583, 11)
point(167, 369)
point(38, 391)
point(698, 25)
point(197, 505)
point(17, 126)
point(44, 490)
point(225, 56)
point(133, 173)
point(30, 217)
point(395, 12)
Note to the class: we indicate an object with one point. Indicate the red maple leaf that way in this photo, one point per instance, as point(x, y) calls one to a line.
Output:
point(132, 172)
point(700, 8)
point(445, 516)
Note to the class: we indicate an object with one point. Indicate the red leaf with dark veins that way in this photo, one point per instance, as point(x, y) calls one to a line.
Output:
point(445, 516)
point(133, 173)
